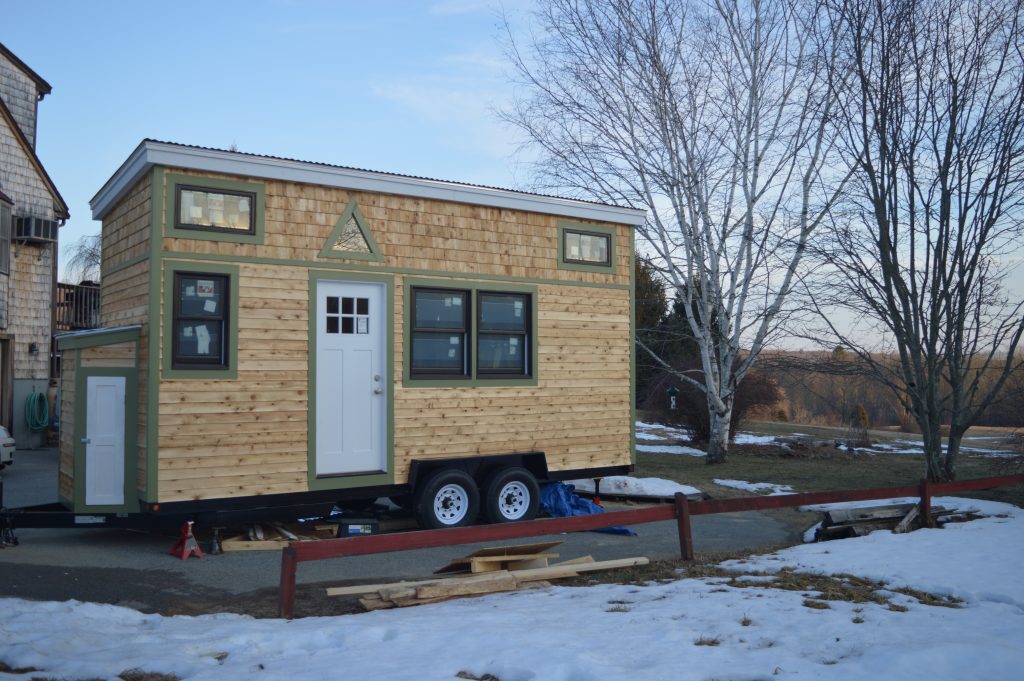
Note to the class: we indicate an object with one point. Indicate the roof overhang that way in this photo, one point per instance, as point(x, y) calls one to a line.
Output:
point(152, 153)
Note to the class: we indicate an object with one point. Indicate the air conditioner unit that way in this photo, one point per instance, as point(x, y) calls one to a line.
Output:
point(34, 229)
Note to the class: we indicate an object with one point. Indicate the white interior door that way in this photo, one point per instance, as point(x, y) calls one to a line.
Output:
point(104, 440)
point(351, 386)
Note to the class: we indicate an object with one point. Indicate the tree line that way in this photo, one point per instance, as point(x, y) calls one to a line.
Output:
point(831, 170)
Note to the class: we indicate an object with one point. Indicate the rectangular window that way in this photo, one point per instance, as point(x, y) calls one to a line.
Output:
point(586, 248)
point(503, 338)
point(218, 210)
point(200, 326)
point(439, 344)
point(5, 238)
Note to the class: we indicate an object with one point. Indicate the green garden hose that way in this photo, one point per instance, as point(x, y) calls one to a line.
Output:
point(37, 412)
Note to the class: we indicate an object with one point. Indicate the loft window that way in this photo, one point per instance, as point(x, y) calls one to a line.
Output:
point(503, 334)
point(215, 210)
point(5, 238)
point(350, 239)
point(200, 327)
point(586, 248)
point(439, 344)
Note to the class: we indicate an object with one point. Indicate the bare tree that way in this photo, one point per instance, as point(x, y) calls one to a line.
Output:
point(931, 107)
point(711, 114)
point(84, 257)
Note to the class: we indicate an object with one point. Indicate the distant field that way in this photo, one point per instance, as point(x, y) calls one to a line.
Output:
point(818, 467)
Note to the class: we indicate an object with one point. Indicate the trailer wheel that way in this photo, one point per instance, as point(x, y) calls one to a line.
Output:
point(448, 498)
point(511, 494)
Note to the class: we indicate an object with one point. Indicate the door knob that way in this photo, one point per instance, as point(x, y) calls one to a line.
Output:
point(86, 441)
point(378, 391)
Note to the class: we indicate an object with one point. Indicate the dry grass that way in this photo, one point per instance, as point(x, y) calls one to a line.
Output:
point(707, 641)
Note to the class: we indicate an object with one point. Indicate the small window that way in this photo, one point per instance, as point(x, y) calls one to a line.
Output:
point(350, 239)
point(218, 210)
point(5, 238)
point(503, 334)
point(439, 344)
point(200, 331)
point(586, 248)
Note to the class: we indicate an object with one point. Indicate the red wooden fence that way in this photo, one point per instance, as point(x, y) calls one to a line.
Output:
point(681, 511)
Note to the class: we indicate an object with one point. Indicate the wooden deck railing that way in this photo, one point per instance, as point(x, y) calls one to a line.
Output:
point(681, 511)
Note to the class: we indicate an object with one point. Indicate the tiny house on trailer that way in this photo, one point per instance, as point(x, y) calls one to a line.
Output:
point(277, 332)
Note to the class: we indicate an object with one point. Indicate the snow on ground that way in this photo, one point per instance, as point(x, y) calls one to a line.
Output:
point(757, 487)
point(635, 487)
point(696, 629)
point(671, 449)
point(751, 439)
point(643, 435)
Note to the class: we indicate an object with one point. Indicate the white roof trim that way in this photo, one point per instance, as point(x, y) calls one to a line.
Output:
point(150, 153)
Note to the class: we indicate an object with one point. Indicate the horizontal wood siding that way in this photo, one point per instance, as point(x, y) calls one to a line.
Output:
point(578, 413)
point(224, 438)
point(66, 472)
point(118, 355)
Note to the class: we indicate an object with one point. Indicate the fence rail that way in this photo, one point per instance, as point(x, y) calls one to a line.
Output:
point(681, 511)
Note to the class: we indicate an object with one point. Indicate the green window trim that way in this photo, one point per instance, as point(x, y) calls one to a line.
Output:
point(177, 181)
point(474, 379)
point(228, 372)
point(585, 228)
point(352, 211)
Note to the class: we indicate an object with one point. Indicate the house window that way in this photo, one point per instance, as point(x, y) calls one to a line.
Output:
point(586, 248)
point(5, 238)
point(477, 336)
point(218, 210)
point(503, 338)
point(439, 345)
point(200, 326)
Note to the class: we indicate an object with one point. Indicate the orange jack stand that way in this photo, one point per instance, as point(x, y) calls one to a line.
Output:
point(186, 544)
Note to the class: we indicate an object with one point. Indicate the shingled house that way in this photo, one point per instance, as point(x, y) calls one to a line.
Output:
point(31, 210)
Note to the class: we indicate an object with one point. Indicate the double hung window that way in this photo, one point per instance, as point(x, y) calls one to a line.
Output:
point(200, 326)
point(470, 334)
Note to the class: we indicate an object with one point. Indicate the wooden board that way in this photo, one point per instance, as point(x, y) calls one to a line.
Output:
point(497, 553)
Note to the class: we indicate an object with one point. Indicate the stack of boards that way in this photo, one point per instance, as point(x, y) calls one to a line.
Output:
point(491, 570)
point(857, 522)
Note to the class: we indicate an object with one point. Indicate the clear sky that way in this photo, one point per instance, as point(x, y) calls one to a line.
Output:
point(404, 86)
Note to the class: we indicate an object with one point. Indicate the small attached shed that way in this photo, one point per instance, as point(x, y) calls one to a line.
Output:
point(283, 331)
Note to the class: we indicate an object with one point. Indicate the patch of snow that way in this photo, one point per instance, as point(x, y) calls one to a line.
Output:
point(641, 435)
point(981, 506)
point(670, 449)
point(756, 487)
point(751, 439)
point(635, 487)
point(811, 533)
point(607, 632)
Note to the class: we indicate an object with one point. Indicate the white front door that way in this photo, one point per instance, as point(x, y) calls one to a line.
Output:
point(104, 441)
point(351, 386)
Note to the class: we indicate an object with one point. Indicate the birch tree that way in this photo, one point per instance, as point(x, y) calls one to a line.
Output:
point(931, 109)
point(713, 115)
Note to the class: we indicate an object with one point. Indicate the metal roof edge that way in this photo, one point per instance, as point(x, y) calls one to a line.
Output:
point(151, 153)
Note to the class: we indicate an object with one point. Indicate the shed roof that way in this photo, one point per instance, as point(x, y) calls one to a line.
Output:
point(156, 153)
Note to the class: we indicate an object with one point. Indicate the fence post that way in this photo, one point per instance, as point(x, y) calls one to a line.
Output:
point(926, 504)
point(683, 521)
point(286, 591)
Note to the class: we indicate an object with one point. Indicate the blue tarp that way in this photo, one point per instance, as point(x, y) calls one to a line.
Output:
point(559, 500)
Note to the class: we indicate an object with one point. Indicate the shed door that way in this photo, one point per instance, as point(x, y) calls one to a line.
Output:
point(351, 388)
point(104, 441)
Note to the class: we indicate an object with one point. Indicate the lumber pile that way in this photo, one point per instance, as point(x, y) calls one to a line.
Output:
point(275, 536)
point(857, 522)
point(493, 570)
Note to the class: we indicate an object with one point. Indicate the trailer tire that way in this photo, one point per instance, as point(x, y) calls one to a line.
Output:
point(511, 494)
point(448, 498)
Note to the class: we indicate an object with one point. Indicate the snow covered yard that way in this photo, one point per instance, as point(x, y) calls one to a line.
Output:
point(739, 623)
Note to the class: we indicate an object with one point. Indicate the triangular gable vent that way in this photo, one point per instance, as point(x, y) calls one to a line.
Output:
point(351, 237)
